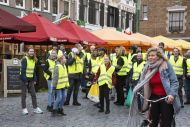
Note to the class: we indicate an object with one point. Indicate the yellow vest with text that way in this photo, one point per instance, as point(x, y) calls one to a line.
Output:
point(95, 66)
point(63, 80)
point(59, 53)
point(51, 68)
point(124, 70)
point(188, 67)
point(106, 76)
point(77, 66)
point(137, 70)
point(30, 67)
point(178, 65)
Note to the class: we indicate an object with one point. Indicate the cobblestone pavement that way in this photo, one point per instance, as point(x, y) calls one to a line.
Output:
point(83, 116)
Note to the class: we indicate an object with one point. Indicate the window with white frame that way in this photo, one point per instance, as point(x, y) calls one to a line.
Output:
point(6, 2)
point(55, 6)
point(46, 5)
point(36, 5)
point(66, 8)
point(83, 10)
point(144, 12)
point(20, 3)
point(176, 21)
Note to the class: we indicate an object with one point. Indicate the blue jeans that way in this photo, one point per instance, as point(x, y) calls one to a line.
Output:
point(49, 93)
point(60, 99)
point(187, 89)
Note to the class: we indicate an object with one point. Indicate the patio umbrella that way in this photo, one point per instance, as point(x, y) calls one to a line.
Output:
point(80, 33)
point(114, 38)
point(12, 24)
point(184, 44)
point(45, 31)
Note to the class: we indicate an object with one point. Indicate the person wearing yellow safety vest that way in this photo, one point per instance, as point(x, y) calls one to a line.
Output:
point(121, 74)
point(135, 74)
point(113, 56)
point(48, 71)
point(91, 70)
point(75, 64)
point(28, 77)
point(55, 48)
point(161, 45)
point(187, 77)
point(104, 80)
point(101, 55)
point(60, 82)
point(178, 64)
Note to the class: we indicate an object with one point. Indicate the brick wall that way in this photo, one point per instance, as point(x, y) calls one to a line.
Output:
point(157, 18)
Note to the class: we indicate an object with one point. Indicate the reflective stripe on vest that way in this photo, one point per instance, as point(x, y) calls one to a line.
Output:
point(51, 68)
point(137, 70)
point(188, 67)
point(124, 70)
point(106, 76)
point(59, 53)
point(77, 66)
point(178, 65)
point(63, 80)
point(30, 67)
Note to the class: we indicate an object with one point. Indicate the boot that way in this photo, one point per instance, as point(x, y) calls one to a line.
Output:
point(49, 108)
point(54, 112)
point(61, 112)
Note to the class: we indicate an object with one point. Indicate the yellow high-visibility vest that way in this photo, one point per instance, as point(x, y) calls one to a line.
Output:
point(124, 70)
point(59, 53)
point(106, 76)
point(130, 63)
point(188, 67)
point(63, 80)
point(137, 70)
point(144, 56)
point(178, 65)
point(51, 68)
point(30, 67)
point(77, 66)
point(113, 58)
point(95, 66)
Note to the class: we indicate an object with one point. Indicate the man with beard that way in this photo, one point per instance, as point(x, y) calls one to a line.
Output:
point(28, 77)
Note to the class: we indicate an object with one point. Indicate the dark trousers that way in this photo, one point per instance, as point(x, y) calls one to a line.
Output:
point(74, 86)
point(121, 80)
point(30, 87)
point(161, 112)
point(180, 80)
point(187, 89)
point(104, 93)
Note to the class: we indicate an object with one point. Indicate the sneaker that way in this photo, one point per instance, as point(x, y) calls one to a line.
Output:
point(25, 111)
point(38, 110)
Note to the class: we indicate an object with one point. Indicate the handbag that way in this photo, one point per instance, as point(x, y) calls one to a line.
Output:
point(93, 94)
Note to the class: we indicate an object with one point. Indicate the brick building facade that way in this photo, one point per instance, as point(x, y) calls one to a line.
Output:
point(169, 18)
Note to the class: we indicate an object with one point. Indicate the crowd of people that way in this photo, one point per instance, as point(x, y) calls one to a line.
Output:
point(155, 73)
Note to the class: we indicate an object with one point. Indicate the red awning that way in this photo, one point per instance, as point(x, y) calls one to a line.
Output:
point(80, 33)
point(45, 31)
point(6, 36)
point(11, 24)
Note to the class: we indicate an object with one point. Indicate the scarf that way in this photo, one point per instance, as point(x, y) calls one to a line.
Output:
point(148, 72)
